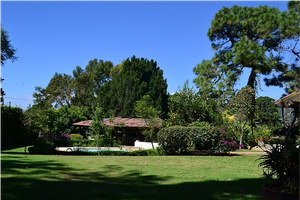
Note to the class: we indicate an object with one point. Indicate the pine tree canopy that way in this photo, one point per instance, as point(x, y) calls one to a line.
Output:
point(244, 37)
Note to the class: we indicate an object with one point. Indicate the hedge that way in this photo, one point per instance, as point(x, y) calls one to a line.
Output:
point(181, 140)
point(11, 126)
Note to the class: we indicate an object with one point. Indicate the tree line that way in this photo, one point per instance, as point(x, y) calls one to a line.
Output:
point(262, 39)
point(113, 88)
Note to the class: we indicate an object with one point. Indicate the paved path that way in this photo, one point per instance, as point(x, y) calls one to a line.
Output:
point(248, 153)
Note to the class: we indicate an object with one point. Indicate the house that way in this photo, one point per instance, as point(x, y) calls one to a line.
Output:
point(130, 127)
point(293, 97)
point(288, 100)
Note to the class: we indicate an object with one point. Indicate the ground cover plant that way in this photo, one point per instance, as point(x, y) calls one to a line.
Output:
point(27, 176)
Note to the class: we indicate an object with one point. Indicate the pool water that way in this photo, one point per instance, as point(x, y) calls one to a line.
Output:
point(96, 150)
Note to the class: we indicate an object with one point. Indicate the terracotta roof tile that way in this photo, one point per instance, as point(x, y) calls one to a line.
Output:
point(282, 99)
point(128, 122)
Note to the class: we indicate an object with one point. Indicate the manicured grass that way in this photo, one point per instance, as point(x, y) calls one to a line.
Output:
point(41, 177)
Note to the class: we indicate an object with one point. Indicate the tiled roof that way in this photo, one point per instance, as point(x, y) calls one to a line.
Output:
point(128, 122)
point(83, 123)
point(295, 96)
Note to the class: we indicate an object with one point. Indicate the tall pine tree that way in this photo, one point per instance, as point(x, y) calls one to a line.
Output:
point(137, 78)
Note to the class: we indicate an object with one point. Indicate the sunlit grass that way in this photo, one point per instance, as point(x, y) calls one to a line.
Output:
point(26, 176)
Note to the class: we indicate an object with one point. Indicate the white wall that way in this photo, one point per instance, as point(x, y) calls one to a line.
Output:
point(145, 145)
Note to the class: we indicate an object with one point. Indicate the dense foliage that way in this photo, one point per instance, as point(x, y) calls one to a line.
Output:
point(110, 87)
point(266, 112)
point(137, 78)
point(288, 76)
point(8, 52)
point(180, 140)
point(147, 112)
point(279, 170)
point(11, 126)
point(186, 107)
point(242, 105)
point(41, 120)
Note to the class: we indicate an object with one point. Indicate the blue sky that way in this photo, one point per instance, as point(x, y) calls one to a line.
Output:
point(58, 36)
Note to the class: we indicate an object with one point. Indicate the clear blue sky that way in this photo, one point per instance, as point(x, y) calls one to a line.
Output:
point(58, 36)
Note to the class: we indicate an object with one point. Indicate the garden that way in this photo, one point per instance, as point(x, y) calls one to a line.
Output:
point(197, 130)
point(30, 176)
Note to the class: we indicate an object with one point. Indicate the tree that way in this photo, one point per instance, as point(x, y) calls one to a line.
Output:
point(242, 106)
point(116, 70)
point(97, 125)
point(100, 72)
point(289, 74)
point(82, 84)
point(35, 118)
point(81, 89)
point(59, 91)
point(187, 106)
point(8, 52)
point(266, 112)
point(137, 78)
point(150, 114)
point(243, 37)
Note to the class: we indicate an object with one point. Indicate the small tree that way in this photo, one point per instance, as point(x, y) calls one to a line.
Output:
point(187, 106)
point(97, 126)
point(243, 108)
point(150, 114)
point(111, 119)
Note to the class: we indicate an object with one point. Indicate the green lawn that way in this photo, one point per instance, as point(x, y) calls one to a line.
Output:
point(41, 177)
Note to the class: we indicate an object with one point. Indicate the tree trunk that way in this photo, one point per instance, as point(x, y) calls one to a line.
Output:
point(151, 136)
point(251, 83)
point(241, 136)
point(98, 145)
point(251, 79)
point(152, 144)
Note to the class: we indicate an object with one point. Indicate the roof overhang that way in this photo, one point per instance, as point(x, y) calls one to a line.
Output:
point(294, 97)
point(131, 123)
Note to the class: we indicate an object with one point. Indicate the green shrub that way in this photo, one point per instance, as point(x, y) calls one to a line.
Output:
point(42, 143)
point(75, 136)
point(180, 140)
point(259, 133)
point(175, 139)
point(12, 128)
point(160, 151)
point(277, 140)
point(152, 152)
point(199, 124)
point(36, 150)
point(138, 153)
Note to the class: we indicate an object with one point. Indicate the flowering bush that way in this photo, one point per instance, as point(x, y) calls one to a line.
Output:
point(181, 140)
point(50, 141)
point(230, 146)
point(64, 136)
point(229, 137)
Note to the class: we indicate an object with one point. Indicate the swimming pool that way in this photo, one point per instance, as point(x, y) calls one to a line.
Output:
point(96, 149)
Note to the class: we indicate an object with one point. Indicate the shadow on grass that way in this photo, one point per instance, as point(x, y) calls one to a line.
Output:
point(50, 179)
point(10, 147)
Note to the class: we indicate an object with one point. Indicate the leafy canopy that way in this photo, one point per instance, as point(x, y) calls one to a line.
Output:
point(243, 37)
point(146, 111)
point(8, 52)
point(137, 78)
point(187, 106)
